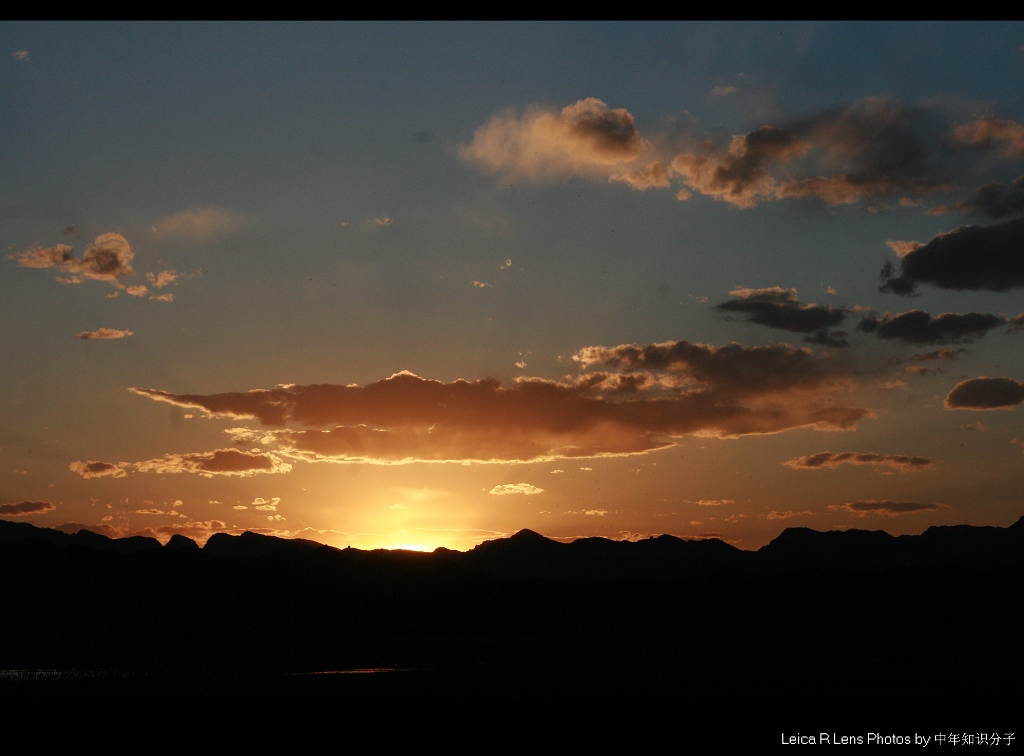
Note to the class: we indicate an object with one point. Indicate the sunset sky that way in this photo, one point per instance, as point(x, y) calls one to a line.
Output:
point(427, 284)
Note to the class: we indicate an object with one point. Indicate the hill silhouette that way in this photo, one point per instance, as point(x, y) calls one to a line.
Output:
point(524, 617)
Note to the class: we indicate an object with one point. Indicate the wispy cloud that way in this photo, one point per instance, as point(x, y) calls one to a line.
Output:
point(26, 508)
point(882, 507)
point(831, 460)
point(104, 333)
point(990, 133)
point(232, 462)
point(199, 223)
point(786, 515)
point(515, 488)
point(867, 150)
point(992, 200)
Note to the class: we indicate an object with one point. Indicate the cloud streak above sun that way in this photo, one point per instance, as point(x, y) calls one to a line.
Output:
point(681, 389)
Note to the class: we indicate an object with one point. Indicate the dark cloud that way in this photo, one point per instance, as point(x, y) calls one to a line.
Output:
point(918, 327)
point(986, 393)
point(830, 460)
point(26, 508)
point(734, 370)
point(972, 258)
point(878, 147)
point(825, 337)
point(96, 469)
point(888, 508)
point(946, 353)
point(406, 418)
point(108, 258)
point(992, 200)
point(776, 307)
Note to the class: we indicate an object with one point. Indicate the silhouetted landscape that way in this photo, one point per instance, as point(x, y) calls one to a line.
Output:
point(844, 616)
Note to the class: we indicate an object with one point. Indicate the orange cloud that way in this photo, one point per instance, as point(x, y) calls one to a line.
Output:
point(728, 391)
point(587, 138)
point(740, 175)
point(219, 462)
point(515, 488)
point(983, 132)
point(108, 258)
point(207, 464)
point(96, 469)
point(104, 333)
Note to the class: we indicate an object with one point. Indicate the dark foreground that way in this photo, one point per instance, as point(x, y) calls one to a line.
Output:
point(524, 619)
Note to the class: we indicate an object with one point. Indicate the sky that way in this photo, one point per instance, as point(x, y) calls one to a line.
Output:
point(411, 285)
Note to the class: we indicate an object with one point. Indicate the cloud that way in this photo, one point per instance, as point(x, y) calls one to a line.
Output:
point(104, 333)
point(780, 308)
point(993, 200)
point(946, 353)
point(740, 175)
point(918, 327)
point(199, 223)
point(989, 258)
point(862, 151)
point(653, 176)
point(733, 370)
point(986, 394)
point(986, 133)
point(20, 55)
point(879, 147)
point(163, 278)
point(887, 508)
point(219, 462)
point(108, 258)
point(866, 150)
point(26, 508)
point(96, 469)
point(776, 515)
point(515, 488)
point(267, 505)
point(703, 390)
point(207, 464)
point(832, 460)
point(587, 138)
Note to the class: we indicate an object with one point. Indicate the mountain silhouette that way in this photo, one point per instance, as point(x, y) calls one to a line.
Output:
point(930, 616)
